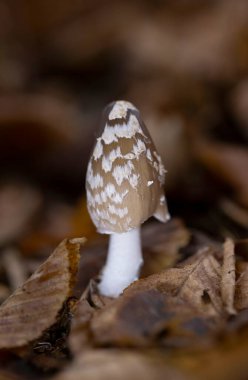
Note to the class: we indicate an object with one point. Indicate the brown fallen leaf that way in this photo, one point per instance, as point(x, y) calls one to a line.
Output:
point(161, 245)
point(14, 267)
point(4, 292)
point(18, 205)
point(228, 276)
point(201, 288)
point(227, 162)
point(241, 291)
point(119, 365)
point(235, 212)
point(33, 307)
point(90, 301)
point(239, 105)
point(19, 113)
point(150, 318)
point(241, 248)
point(196, 281)
point(182, 304)
point(177, 306)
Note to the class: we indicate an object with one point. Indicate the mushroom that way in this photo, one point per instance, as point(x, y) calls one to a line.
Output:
point(124, 187)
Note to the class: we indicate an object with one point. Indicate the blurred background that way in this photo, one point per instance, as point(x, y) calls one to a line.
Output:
point(183, 63)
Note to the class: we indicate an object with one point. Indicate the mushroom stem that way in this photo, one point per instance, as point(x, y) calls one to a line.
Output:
point(123, 263)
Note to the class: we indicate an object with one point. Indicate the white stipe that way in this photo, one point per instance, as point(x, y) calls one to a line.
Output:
point(123, 263)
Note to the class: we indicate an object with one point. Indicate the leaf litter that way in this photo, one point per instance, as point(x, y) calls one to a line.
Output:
point(189, 306)
point(34, 307)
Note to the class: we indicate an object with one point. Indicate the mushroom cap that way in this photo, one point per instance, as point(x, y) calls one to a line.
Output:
point(125, 175)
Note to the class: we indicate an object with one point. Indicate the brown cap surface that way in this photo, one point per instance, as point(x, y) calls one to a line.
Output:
point(125, 176)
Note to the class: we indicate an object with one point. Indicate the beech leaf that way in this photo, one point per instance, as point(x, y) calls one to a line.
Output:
point(183, 301)
point(193, 282)
point(118, 365)
point(228, 276)
point(33, 307)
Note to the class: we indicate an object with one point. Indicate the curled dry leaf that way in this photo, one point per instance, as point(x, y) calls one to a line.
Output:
point(33, 307)
point(176, 307)
point(119, 365)
point(183, 301)
point(197, 282)
point(228, 276)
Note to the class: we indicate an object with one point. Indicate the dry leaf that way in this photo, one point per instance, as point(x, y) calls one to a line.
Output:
point(14, 268)
point(227, 162)
point(228, 276)
point(201, 288)
point(148, 318)
point(236, 213)
point(33, 307)
point(20, 113)
point(119, 365)
point(226, 361)
point(196, 282)
point(241, 291)
point(181, 301)
point(4, 292)
point(89, 302)
point(161, 245)
point(18, 205)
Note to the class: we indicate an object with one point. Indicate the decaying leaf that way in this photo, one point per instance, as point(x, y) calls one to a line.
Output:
point(119, 365)
point(147, 318)
point(179, 301)
point(33, 307)
point(187, 301)
point(228, 276)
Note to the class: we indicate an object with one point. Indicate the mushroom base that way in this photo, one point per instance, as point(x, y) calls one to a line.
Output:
point(123, 263)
